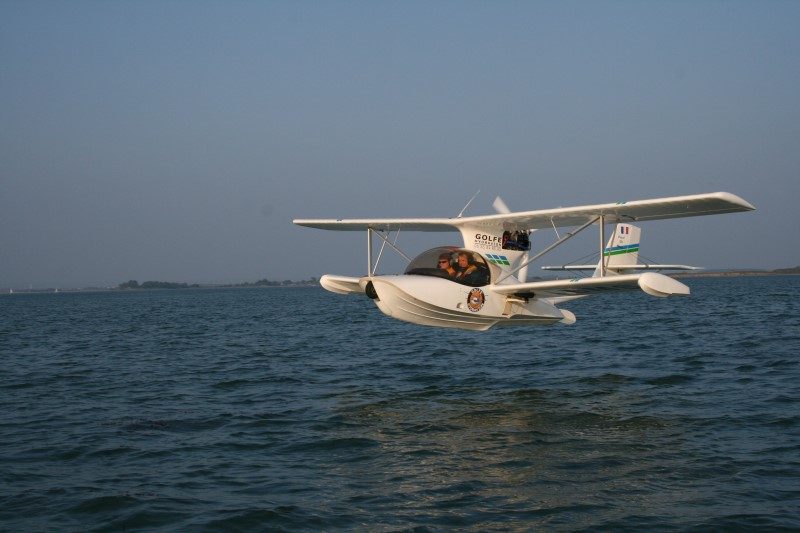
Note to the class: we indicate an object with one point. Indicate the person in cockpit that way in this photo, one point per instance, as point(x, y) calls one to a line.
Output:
point(444, 264)
point(466, 271)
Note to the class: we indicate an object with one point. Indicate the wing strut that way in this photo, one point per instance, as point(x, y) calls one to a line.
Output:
point(396, 249)
point(380, 252)
point(602, 219)
point(369, 252)
point(559, 241)
point(370, 268)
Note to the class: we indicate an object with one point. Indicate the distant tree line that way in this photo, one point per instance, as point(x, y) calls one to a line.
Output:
point(133, 284)
point(269, 283)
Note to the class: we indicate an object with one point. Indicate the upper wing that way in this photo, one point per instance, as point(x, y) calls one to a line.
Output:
point(384, 224)
point(638, 210)
point(650, 282)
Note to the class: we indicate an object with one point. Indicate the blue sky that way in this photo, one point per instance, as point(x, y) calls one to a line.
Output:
point(177, 140)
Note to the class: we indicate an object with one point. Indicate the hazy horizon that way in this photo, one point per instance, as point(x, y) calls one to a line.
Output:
point(177, 141)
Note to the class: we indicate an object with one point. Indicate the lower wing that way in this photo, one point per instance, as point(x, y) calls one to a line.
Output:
point(644, 266)
point(650, 282)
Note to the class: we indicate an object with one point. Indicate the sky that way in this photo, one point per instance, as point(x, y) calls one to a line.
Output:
point(176, 141)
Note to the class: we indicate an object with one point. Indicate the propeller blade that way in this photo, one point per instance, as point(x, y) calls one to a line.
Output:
point(500, 206)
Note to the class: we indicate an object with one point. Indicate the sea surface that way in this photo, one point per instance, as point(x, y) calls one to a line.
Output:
point(297, 409)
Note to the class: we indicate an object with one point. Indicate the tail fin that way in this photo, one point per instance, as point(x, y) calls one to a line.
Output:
point(622, 251)
point(621, 255)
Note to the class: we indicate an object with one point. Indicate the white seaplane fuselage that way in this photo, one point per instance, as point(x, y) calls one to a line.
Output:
point(439, 302)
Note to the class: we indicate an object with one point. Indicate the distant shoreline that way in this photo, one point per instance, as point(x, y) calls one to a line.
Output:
point(313, 282)
point(738, 273)
point(196, 286)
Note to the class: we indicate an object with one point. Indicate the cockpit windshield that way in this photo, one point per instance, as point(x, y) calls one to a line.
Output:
point(456, 264)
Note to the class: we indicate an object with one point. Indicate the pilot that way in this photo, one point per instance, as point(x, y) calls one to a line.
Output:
point(444, 264)
point(467, 272)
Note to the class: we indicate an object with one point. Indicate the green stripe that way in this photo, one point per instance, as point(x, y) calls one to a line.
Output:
point(619, 252)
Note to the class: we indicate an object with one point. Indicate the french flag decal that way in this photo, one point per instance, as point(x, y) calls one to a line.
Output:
point(624, 230)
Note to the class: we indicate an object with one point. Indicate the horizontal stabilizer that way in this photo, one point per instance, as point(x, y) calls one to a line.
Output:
point(625, 267)
point(340, 284)
point(650, 282)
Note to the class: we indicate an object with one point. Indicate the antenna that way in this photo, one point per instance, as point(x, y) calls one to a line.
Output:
point(466, 206)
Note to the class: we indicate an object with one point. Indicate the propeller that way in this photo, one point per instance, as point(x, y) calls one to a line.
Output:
point(500, 206)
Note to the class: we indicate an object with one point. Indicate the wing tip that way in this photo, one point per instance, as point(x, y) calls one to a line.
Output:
point(735, 199)
point(340, 284)
point(662, 286)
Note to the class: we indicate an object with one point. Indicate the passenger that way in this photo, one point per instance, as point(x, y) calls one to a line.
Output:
point(517, 240)
point(467, 271)
point(444, 264)
point(511, 242)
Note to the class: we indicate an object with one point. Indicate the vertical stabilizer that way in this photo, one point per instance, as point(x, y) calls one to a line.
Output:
point(622, 249)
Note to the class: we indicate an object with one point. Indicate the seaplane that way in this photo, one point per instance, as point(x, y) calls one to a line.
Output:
point(482, 283)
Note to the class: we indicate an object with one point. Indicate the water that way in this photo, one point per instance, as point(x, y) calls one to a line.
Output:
point(297, 409)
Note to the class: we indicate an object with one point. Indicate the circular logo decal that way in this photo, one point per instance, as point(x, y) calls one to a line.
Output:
point(475, 300)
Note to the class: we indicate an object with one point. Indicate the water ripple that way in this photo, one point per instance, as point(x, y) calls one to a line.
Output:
point(296, 409)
